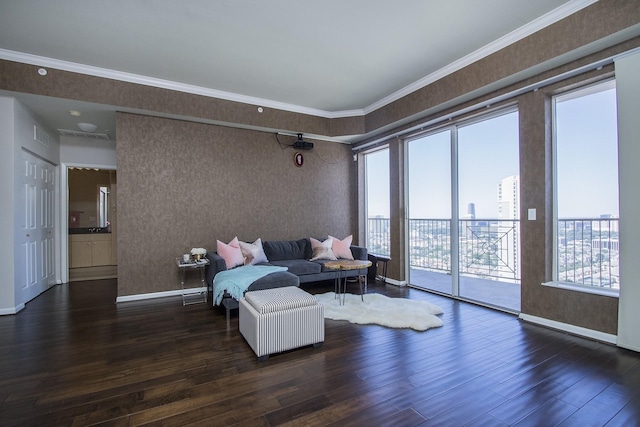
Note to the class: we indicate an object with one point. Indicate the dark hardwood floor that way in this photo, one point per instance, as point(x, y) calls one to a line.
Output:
point(74, 357)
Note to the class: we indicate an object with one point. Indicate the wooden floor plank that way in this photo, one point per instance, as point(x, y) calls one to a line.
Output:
point(552, 413)
point(521, 405)
point(602, 408)
point(73, 357)
point(629, 416)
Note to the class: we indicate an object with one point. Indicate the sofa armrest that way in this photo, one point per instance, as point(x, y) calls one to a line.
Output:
point(216, 264)
point(359, 252)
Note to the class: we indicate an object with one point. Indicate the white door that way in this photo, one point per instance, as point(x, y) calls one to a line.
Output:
point(35, 253)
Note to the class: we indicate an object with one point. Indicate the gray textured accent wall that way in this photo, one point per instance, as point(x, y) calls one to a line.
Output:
point(183, 184)
point(596, 312)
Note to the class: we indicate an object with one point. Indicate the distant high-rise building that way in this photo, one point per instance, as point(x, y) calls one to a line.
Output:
point(508, 231)
point(471, 212)
point(509, 198)
point(611, 224)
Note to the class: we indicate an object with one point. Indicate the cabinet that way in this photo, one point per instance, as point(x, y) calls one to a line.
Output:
point(89, 250)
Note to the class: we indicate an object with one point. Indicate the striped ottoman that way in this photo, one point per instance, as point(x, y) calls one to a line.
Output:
point(279, 319)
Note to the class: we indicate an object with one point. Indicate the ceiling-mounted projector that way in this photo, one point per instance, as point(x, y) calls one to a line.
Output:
point(301, 144)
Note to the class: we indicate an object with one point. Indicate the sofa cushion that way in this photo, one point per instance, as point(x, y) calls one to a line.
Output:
point(324, 269)
point(275, 280)
point(278, 250)
point(299, 267)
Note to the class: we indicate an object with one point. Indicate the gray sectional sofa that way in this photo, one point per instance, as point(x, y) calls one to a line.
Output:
point(293, 254)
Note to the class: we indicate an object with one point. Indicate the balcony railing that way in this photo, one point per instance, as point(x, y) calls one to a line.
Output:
point(378, 236)
point(488, 248)
point(588, 249)
point(589, 252)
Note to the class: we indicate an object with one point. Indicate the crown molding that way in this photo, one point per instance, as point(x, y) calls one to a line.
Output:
point(522, 32)
point(43, 61)
point(552, 17)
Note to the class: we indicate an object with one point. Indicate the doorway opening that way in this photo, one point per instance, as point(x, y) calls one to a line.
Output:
point(92, 224)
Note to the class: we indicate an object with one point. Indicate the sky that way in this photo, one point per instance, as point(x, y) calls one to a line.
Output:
point(587, 156)
point(488, 152)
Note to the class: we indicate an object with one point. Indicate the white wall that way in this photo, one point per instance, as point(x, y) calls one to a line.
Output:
point(16, 134)
point(628, 91)
point(7, 295)
point(76, 151)
point(24, 122)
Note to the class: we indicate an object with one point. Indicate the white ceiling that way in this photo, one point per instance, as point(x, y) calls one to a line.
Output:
point(331, 58)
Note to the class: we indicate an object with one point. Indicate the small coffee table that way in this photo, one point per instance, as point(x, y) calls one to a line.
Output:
point(342, 266)
point(384, 260)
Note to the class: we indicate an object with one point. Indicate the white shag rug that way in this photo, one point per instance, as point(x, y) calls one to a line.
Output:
point(382, 310)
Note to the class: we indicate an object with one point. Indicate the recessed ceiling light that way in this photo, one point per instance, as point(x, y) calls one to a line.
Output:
point(75, 113)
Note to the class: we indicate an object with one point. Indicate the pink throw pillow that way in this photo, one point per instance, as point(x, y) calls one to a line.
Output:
point(230, 252)
point(342, 248)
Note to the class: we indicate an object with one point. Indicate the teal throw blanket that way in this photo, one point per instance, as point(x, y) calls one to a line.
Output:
point(237, 280)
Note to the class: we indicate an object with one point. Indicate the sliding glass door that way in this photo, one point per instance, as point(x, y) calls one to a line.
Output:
point(489, 211)
point(429, 226)
point(463, 203)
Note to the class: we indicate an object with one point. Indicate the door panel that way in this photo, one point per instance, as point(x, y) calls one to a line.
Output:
point(36, 239)
point(429, 182)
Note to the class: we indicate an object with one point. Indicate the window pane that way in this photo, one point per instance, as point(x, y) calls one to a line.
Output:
point(378, 212)
point(429, 172)
point(429, 163)
point(586, 148)
point(587, 154)
point(488, 167)
point(489, 211)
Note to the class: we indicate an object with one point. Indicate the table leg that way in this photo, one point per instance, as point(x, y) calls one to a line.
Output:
point(182, 286)
point(203, 285)
point(344, 293)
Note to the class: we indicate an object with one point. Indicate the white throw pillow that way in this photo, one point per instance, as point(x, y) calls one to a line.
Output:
point(253, 252)
point(322, 250)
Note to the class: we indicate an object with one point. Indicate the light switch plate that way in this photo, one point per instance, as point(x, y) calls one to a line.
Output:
point(531, 214)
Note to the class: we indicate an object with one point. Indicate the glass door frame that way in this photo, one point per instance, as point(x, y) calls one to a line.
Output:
point(454, 177)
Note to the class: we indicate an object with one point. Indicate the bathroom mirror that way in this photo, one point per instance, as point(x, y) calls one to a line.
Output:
point(90, 200)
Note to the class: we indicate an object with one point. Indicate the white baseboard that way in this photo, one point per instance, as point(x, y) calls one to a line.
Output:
point(153, 295)
point(395, 282)
point(572, 329)
point(629, 347)
point(12, 310)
